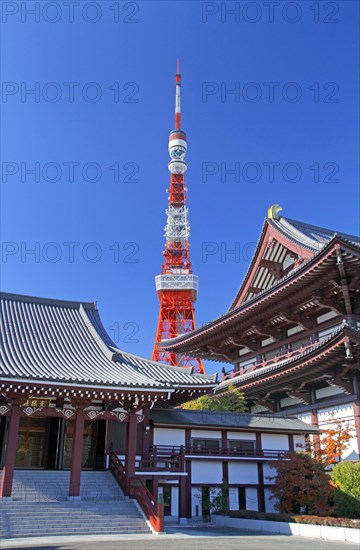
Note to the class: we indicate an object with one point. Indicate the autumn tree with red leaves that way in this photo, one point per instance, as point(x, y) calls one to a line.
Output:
point(301, 485)
point(334, 441)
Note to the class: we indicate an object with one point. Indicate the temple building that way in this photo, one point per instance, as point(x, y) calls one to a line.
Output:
point(292, 333)
point(73, 405)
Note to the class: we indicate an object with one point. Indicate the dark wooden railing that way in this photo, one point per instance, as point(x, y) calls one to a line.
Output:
point(268, 362)
point(153, 510)
point(162, 451)
point(221, 451)
point(118, 470)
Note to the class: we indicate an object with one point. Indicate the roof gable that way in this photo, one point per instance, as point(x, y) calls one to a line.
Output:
point(284, 244)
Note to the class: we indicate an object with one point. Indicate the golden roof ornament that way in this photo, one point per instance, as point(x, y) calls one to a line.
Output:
point(273, 212)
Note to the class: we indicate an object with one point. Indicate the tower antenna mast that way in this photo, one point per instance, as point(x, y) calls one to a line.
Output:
point(176, 287)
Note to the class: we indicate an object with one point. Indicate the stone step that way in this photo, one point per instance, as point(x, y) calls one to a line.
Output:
point(40, 506)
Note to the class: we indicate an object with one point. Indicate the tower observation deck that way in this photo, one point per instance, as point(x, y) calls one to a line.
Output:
point(176, 286)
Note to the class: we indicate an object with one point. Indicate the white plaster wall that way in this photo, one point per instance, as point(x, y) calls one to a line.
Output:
point(242, 435)
point(275, 442)
point(206, 471)
point(342, 412)
point(268, 472)
point(251, 499)
point(196, 501)
point(290, 401)
point(206, 434)
point(243, 472)
point(233, 498)
point(175, 501)
point(305, 417)
point(269, 504)
point(169, 436)
point(328, 392)
point(326, 317)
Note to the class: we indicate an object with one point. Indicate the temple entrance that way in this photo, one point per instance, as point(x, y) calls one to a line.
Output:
point(93, 456)
point(32, 443)
point(46, 443)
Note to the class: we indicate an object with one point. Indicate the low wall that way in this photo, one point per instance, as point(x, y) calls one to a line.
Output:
point(283, 528)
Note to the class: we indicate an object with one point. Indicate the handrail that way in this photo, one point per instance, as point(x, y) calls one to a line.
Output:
point(267, 362)
point(257, 453)
point(118, 469)
point(154, 511)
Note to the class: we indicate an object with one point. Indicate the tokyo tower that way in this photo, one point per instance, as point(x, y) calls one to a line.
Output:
point(176, 287)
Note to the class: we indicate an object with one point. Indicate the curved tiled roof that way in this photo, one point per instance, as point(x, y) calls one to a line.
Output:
point(308, 236)
point(299, 361)
point(247, 421)
point(64, 342)
point(316, 239)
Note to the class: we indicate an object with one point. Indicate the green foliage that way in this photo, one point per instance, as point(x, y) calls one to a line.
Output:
point(346, 477)
point(216, 501)
point(231, 401)
point(301, 485)
point(220, 499)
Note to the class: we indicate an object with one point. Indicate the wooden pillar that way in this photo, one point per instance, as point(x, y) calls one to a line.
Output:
point(9, 463)
point(225, 464)
point(261, 488)
point(291, 442)
point(146, 431)
point(188, 492)
point(76, 455)
point(316, 437)
point(130, 453)
point(258, 442)
point(182, 499)
point(155, 488)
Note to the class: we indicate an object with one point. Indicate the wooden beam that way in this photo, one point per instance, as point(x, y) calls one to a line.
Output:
point(304, 396)
point(344, 285)
point(329, 303)
point(254, 289)
point(297, 319)
point(274, 267)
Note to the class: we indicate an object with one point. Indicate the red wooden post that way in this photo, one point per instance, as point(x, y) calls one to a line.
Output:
point(9, 465)
point(146, 435)
point(316, 437)
point(130, 453)
point(76, 455)
point(182, 499)
point(261, 487)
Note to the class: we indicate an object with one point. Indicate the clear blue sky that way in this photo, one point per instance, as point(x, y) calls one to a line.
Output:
point(308, 116)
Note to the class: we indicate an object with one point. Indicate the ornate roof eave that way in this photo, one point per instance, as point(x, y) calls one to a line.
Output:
point(265, 377)
point(191, 341)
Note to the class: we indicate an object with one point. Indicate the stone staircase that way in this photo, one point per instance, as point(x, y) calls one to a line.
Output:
point(40, 506)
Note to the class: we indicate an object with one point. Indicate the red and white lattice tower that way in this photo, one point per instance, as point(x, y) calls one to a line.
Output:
point(176, 286)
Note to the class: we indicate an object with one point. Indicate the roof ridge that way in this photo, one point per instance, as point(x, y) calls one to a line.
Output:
point(75, 304)
point(312, 226)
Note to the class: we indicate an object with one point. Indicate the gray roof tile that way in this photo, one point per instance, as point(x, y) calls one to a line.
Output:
point(268, 421)
point(65, 342)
